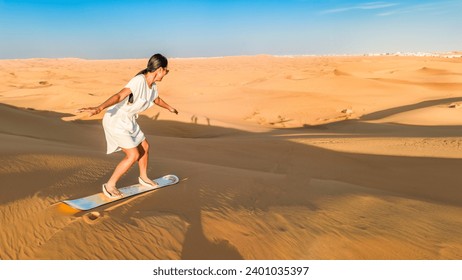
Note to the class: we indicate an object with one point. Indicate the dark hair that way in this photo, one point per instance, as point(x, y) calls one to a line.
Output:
point(156, 61)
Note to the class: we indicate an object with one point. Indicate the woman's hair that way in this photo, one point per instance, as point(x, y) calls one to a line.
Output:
point(156, 61)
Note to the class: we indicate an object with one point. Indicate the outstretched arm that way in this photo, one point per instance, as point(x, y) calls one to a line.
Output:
point(158, 101)
point(116, 98)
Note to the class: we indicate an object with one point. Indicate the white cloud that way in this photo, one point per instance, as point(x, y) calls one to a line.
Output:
point(375, 5)
point(363, 6)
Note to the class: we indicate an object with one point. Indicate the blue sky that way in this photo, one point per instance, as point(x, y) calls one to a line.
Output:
point(104, 29)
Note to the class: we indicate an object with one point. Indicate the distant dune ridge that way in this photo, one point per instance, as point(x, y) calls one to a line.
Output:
point(333, 157)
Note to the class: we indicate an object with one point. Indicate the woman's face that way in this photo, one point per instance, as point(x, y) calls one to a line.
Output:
point(162, 72)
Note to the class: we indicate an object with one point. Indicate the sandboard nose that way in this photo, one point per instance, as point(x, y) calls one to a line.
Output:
point(172, 178)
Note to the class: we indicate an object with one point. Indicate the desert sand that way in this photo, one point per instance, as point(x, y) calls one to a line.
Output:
point(330, 157)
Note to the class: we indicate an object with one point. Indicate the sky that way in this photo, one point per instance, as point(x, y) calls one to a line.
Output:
point(116, 29)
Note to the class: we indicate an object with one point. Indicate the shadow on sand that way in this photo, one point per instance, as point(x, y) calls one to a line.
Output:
point(195, 150)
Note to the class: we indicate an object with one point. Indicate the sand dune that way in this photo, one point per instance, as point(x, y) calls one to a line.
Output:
point(281, 158)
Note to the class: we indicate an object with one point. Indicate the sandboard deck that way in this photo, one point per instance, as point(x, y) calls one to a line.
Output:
point(99, 199)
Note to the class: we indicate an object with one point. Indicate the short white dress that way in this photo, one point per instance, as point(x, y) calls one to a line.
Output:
point(119, 122)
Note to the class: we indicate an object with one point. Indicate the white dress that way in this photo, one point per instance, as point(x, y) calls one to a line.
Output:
point(119, 122)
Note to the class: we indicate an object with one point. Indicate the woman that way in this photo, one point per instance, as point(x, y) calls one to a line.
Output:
point(119, 123)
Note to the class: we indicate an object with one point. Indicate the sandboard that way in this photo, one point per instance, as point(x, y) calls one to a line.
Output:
point(93, 201)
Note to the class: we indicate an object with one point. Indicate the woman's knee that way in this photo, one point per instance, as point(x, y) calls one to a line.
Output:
point(132, 155)
point(143, 148)
point(145, 145)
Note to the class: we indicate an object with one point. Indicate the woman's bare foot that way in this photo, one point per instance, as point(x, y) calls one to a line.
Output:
point(111, 191)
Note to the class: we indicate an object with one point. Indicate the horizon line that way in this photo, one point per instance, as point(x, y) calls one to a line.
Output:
point(398, 53)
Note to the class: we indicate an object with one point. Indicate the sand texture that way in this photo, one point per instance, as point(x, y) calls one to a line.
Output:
point(281, 158)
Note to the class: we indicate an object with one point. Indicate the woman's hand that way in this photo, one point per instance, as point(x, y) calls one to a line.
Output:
point(173, 110)
point(91, 110)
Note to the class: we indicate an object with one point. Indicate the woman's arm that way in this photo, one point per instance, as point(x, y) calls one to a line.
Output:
point(116, 98)
point(159, 102)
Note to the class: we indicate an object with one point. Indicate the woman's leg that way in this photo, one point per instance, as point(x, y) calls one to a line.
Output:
point(143, 149)
point(131, 156)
